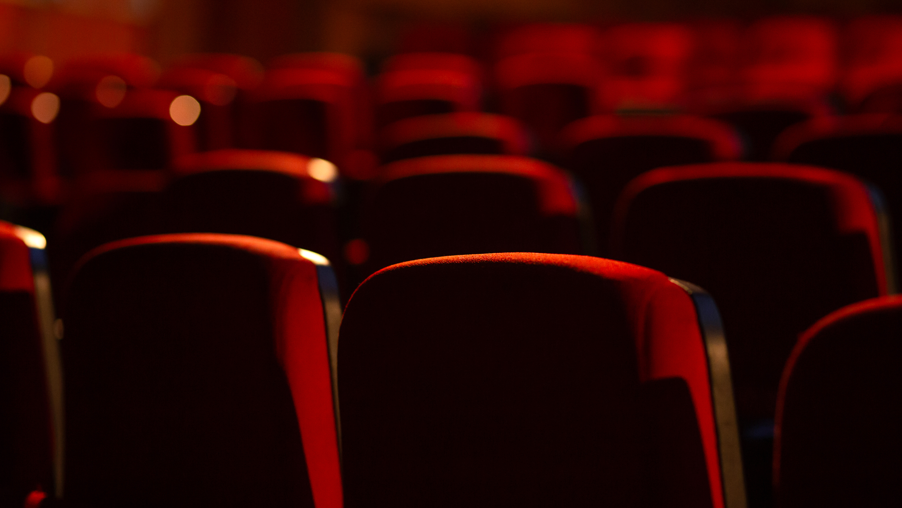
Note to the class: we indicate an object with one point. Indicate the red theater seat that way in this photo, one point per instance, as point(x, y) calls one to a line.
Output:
point(28, 396)
point(606, 152)
point(469, 204)
point(546, 91)
point(647, 66)
point(84, 85)
point(778, 246)
point(533, 380)
point(354, 94)
point(799, 50)
point(869, 146)
point(873, 51)
point(837, 439)
point(280, 196)
point(198, 374)
point(787, 67)
point(456, 133)
point(314, 105)
point(408, 92)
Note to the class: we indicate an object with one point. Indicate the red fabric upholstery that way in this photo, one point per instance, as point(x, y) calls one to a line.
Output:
point(606, 152)
point(791, 49)
point(468, 204)
point(177, 351)
point(836, 441)
point(456, 133)
point(873, 45)
point(778, 246)
point(518, 380)
point(26, 442)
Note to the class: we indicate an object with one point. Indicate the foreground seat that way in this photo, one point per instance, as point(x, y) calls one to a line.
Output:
point(29, 368)
point(534, 380)
point(197, 374)
point(837, 442)
point(778, 246)
point(470, 204)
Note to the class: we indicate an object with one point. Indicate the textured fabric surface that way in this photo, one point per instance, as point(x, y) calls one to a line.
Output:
point(524, 380)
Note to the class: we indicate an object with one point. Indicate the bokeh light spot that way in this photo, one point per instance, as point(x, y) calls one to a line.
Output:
point(45, 107)
point(38, 71)
point(111, 91)
point(322, 170)
point(184, 110)
point(357, 251)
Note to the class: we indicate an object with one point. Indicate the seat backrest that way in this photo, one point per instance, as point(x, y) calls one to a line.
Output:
point(280, 196)
point(469, 204)
point(411, 92)
point(778, 246)
point(198, 373)
point(29, 368)
point(867, 146)
point(837, 441)
point(527, 379)
point(546, 91)
point(456, 133)
point(605, 152)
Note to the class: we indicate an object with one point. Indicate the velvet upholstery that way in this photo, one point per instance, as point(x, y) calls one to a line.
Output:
point(837, 440)
point(525, 379)
point(197, 371)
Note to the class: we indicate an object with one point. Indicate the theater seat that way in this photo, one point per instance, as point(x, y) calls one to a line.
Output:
point(198, 374)
point(546, 91)
point(469, 204)
point(605, 152)
point(837, 439)
point(29, 368)
point(280, 196)
point(868, 146)
point(410, 92)
point(455, 133)
point(778, 246)
point(525, 379)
